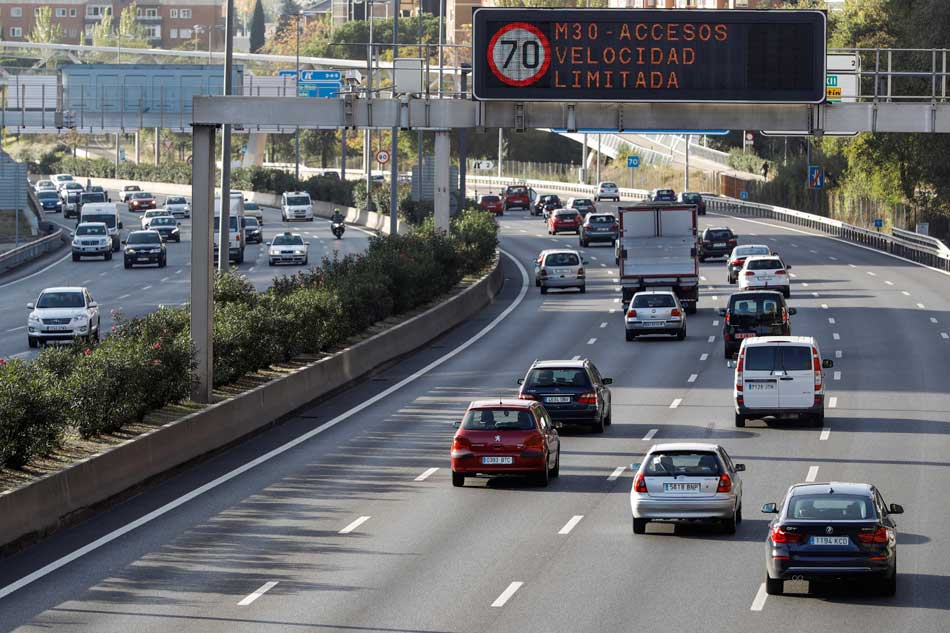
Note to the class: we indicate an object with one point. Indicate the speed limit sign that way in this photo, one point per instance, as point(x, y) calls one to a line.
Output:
point(519, 54)
point(382, 157)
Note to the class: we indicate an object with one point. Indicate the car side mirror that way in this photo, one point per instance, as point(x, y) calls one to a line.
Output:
point(93, 304)
point(731, 364)
point(608, 381)
point(792, 311)
point(722, 312)
point(788, 267)
point(740, 468)
point(634, 467)
point(827, 363)
point(30, 306)
point(896, 508)
point(120, 225)
point(770, 508)
point(457, 423)
point(521, 381)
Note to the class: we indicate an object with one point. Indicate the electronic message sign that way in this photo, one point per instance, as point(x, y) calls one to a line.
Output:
point(649, 55)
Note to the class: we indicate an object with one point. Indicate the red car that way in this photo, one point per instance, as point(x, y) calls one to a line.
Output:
point(506, 437)
point(492, 204)
point(517, 196)
point(140, 201)
point(564, 220)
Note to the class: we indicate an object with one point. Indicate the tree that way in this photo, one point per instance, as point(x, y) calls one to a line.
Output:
point(257, 27)
point(130, 31)
point(287, 12)
point(44, 31)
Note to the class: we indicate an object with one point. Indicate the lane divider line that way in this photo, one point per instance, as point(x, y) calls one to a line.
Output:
point(603, 325)
point(570, 525)
point(759, 602)
point(425, 475)
point(812, 474)
point(933, 320)
point(837, 375)
point(872, 274)
point(824, 306)
point(804, 284)
point(267, 586)
point(591, 341)
point(715, 323)
point(815, 294)
point(836, 336)
point(833, 402)
point(838, 353)
point(889, 283)
point(648, 436)
point(617, 472)
point(921, 306)
point(692, 378)
point(825, 434)
point(905, 293)
point(704, 357)
point(355, 524)
point(124, 297)
point(711, 339)
point(676, 403)
point(944, 335)
point(831, 320)
point(506, 594)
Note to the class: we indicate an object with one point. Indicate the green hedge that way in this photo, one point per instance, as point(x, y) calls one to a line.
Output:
point(147, 363)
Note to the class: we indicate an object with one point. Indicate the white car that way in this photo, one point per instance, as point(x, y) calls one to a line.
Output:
point(150, 214)
point(287, 248)
point(62, 314)
point(253, 210)
point(127, 192)
point(607, 191)
point(92, 239)
point(296, 205)
point(61, 179)
point(765, 271)
point(177, 207)
point(780, 376)
point(44, 185)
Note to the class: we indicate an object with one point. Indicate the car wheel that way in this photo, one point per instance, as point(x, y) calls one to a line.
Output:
point(740, 420)
point(32, 342)
point(739, 514)
point(727, 353)
point(583, 289)
point(786, 292)
point(537, 283)
point(818, 419)
point(305, 260)
point(691, 308)
point(888, 585)
point(599, 426)
point(774, 586)
point(544, 290)
point(681, 335)
point(630, 335)
point(108, 256)
point(75, 257)
point(702, 259)
point(543, 478)
point(639, 526)
point(729, 525)
point(609, 419)
point(556, 471)
point(584, 244)
point(127, 265)
point(162, 262)
point(458, 480)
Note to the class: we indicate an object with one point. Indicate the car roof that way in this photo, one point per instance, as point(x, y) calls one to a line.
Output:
point(63, 289)
point(296, 193)
point(746, 293)
point(144, 231)
point(569, 364)
point(831, 487)
point(773, 340)
point(754, 246)
point(758, 258)
point(560, 250)
point(655, 291)
point(90, 224)
point(684, 446)
point(502, 402)
point(718, 228)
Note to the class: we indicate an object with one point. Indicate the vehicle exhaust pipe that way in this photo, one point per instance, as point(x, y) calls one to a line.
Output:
point(798, 578)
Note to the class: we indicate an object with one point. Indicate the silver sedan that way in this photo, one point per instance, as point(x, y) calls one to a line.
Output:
point(686, 482)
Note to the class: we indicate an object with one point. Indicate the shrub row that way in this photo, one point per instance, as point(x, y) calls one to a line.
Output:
point(147, 362)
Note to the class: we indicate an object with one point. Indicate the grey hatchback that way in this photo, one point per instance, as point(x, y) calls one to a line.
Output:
point(562, 269)
point(655, 312)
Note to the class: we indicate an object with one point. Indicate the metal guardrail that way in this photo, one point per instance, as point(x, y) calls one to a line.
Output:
point(30, 251)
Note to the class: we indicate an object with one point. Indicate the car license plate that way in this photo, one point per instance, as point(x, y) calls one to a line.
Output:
point(746, 335)
point(557, 399)
point(142, 259)
point(719, 245)
point(497, 460)
point(830, 540)
point(681, 487)
point(760, 386)
point(654, 323)
point(58, 328)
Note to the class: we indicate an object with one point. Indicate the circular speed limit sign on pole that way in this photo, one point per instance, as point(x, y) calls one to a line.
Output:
point(519, 54)
point(382, 157)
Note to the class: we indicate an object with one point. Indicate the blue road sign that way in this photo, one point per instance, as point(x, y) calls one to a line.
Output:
point(633, 161)
point(744, 195)
point(878, 223)
point(326, 90)
point(287, 73)
point(816, 177)
point(320, 75)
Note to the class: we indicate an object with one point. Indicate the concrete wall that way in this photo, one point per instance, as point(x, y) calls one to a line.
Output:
point(47, 503)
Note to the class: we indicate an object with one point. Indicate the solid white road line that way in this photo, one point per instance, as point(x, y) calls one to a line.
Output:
point(833, 402)
point(812, 474)
point(711, 339)
point(22, 327)
point(837, 375)
point(759, 600)
point(570, 524)
point(266, 457)
point(649, 436)
point(591, 341)
point(836, 336)
point(355, 524)
point(905, 293)
point(825, 434)
point(676, 403)
point(704, 357)
point(506, 594)
point(425, 475)
point(692, 378)
point(124, 297)
point(604, 324)
point(39, 272)
point(617, 472)
point(267, 586)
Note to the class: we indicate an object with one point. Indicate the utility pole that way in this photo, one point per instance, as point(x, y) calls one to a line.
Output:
point(686, 174)
point(224, 234)
point(441, 42)
point(463, 141)
point(367, 134)
point(297, 79)
point(394, 151)
point(500, 131)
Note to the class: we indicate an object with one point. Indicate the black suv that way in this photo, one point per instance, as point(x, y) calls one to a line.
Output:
point(572, 391)
point(754, 313)
point(546, 202)
point(717, 241)
point(599, 227)
point(145, 247)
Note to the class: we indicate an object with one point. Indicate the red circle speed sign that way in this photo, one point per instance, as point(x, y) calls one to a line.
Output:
point(519, 54)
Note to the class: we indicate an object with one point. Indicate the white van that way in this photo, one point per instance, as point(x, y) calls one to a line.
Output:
point(236, 228)
point(109, 213)
point(780, 376)
point(296, 205)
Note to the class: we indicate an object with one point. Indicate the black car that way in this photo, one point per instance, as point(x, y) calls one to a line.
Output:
point(572, 391)
point(599, 227)
point(832, 532)
point(691, 197)
point(754, 313)
point(145, 247)
point(50, 200)
point(662, 195)
point(716, 241)
point(167, 227)
point(252, 231)
point(546, 203)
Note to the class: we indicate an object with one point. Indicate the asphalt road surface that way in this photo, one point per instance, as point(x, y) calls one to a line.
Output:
point(356, 527)
point(142, 289)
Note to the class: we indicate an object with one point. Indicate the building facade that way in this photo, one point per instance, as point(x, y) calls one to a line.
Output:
point(694, 4)
point(169, 23)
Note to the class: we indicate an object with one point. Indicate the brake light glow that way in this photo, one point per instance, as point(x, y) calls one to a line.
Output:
point(878, 536)
point(588, 397)
point(816, 366)
point(728, 317)
point(527, 396)
point(535, 442)
point(784, 316)
point(461, 444)
point(779, 272)
point(580, 273)
point(725, 484)
point(675, 312)
point(631, 314)
point(736, 262)
point(639, 483)
point(749, 273)
point(779, 535)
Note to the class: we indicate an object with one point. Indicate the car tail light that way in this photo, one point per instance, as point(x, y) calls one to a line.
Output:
point(779, 272)
point(580, 273)
point(544, 272)
point(535, 442)
point(816, 366)
point(639, 483)
point(527, 396)
point(588, 397)
point(736, 262)
point(749, 273)
point(779, 535)
point(878, 536)
point(675, 312)
point(739, 365)
point(725, 484)
point(784, 316)
point(461, 443)
point(728, 317)
point(631, 314)
point(732, 242)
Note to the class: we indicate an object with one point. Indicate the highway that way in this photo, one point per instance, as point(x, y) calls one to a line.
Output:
point(358, 528)
point(142, 289)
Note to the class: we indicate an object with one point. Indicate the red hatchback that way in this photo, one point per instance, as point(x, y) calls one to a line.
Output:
point(492, 204)
point(140, 201)
point(564, 220)
point(506, 437)
point(517, 196)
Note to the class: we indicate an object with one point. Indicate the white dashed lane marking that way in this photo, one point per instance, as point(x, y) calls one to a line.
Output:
point(506, 594)
point(831, 320)
point(676, 403)
point(711, 339)
point(704, 357)
point(759, 602)
point(692, 378)
point(571, 524)
point(812, 474)
point(889, 283)
point(425, 475)
point(355, 524)
point(921, 306)
point(592, 341)
point(617, 472)
point(837, 375)
point(832, 402)
point(649, 435)
point(933, 320)
point(872, 274)
point(825, 434)
point(905, 293)
point(836, 336)
point(604, 324)
point(837, 353)
point(257, 594)
point(944, 335)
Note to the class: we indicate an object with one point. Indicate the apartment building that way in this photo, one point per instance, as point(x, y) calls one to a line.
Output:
point(694, 4)
point(169, 23)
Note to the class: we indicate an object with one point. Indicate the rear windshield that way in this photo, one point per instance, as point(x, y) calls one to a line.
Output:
point(232, 222)
point(746, 251)
point(561, 259)
point(298, 201)
point(72, 197)
point(665, 193)
point(720, 234)
point(764, 264)
point(608, 185)
point(566, 215)
point(549, 198)
point(551, 377)
point(145, 237)
point(778, 358)
point(602, 219)
point(95, 196)
point(131, 188)
point(498, 419)
point(830, 507)
point(761, 304)
point(692, 198)
point(582, 203)
point(654, 301)
point(251, 206)
point(490, 198)
point(106, 218)
point(673, 463)
point(516, 191)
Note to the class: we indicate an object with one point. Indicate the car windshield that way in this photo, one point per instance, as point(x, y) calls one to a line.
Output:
point(61, 300)
point(174, 201)
point(47, 195)
point(145, 237)
point(766, 306)
point(163, 222)
point(72, 197)
point(250, 223)
point(654, 301)
point(665, 194)
point(63, 178)
point(763, 264)
point(497, 419)
point(561, 259)
point(778, 358)
point(232, 222)
point(566, 215)
point(105, 218)
point(141, 195)
point(298, 200)
point(582, 204)
point(830, 507)
point(549, 198)
point(72, 185)
point(90, 230)
point(676, 463)
point(602, 219)
point(746, 251)
point(552, 377)
point(692, 198)
point(718, 234)
point(288, 240)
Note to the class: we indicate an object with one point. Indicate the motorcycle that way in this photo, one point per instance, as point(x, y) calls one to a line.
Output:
point(338, 228)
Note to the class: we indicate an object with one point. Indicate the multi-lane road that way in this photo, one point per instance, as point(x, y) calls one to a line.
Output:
point(357, 526)
point(140, 290)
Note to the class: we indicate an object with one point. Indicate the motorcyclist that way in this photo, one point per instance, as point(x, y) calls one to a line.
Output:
point(337, 217)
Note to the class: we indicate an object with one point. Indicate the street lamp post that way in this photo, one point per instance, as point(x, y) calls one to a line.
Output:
point(224, 236)
point(394, 149)
point(297, 78)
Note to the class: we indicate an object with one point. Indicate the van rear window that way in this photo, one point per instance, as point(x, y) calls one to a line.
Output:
point(778, 358)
